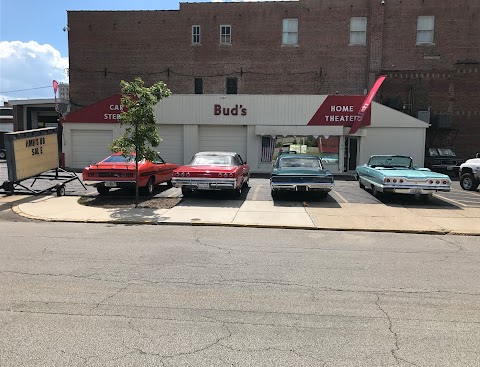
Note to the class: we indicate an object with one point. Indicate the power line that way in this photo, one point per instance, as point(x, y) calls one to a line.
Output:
point(25, 90)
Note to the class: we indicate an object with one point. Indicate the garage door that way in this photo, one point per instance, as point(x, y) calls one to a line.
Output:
point(223, 138)
point(90, 146)
point(171, 147)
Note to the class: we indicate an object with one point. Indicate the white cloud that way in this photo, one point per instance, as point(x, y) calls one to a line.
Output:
point(28, 65)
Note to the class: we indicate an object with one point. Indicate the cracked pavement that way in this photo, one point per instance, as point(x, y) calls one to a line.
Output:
point(102, 295)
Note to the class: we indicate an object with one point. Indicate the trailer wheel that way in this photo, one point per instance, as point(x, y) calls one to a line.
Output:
point(2, 154)
point(60, 190)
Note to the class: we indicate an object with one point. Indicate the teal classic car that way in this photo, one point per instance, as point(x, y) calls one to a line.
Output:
point(300, 173)
point(396, 174)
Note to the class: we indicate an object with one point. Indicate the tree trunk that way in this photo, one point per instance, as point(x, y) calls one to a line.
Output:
point(136, 177)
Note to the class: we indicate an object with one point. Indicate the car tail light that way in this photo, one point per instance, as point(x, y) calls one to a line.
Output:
point(219, 175)
point(182, 174)
point(230, 175)
point(187, 174)
point(394, 180)
point(176, 173)
point(401, 181)
point(430, 182)
point(444, 182)
point(437, 182)
point(387, 180)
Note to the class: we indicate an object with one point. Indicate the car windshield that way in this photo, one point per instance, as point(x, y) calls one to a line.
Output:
point(120, 159)
point(212, 160)
point(447, 152)
point(432, 152)
point(390, 161)
point(294, 162)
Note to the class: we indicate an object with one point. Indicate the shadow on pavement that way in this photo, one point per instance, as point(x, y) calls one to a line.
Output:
point(305, 199)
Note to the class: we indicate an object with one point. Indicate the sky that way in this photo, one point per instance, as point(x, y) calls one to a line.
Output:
point(34, 45)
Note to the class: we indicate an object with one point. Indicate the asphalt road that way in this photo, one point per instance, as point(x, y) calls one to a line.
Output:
point(114, 295)
point(344, 192)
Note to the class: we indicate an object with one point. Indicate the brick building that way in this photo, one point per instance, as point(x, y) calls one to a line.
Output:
point(429, 50)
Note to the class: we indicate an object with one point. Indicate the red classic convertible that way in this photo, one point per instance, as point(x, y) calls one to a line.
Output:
point(212, 171)
point(119, 171)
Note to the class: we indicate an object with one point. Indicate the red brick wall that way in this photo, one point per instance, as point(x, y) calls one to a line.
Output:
point(106, 47)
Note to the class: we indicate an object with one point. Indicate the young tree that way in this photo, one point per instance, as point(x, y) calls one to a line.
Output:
point(141, 135)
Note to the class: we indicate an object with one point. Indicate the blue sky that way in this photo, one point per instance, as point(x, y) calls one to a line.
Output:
point(34, 47)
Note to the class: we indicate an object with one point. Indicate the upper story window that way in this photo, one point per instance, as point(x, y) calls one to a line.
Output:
point(196, 34)
point(225, 34)
point(425, 29)
point(358, 30)
point(232, 85)
point(290, 32)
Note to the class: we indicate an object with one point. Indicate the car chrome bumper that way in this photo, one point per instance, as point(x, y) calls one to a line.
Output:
point(423, 190)
point(302, 186)
point(205, 183)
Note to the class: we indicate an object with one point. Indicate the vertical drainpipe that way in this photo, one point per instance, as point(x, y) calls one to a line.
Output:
point(375, 29)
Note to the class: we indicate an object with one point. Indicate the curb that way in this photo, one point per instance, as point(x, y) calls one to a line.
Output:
point(17, 211)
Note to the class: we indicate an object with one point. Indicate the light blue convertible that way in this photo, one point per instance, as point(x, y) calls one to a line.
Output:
point(397, 174)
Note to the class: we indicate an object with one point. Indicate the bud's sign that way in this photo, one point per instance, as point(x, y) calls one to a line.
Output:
point(341, 111)
point(236, 110)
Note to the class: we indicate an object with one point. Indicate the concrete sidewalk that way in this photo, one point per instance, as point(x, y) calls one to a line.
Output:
point(312, 215)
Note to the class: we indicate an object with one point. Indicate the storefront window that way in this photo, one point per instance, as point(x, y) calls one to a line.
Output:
point(327, 147)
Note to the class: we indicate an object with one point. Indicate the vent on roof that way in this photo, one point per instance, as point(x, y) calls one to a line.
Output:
point(424, 116)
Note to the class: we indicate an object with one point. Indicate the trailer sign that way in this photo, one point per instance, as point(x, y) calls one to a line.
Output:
point(31, 152)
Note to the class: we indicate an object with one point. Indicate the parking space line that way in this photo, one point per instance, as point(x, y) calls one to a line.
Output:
point(254, 196)
point(340, 196)
point(450, 200)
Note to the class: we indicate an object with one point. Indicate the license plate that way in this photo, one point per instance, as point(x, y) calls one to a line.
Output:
point(415, 191)
point(203, 186)
point(110, 184)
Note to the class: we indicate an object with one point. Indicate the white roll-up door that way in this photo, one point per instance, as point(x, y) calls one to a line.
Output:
point(90, 146)
point(171, 147)
point(223, 138)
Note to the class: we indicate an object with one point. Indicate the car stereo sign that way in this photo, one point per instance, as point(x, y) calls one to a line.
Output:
point(31, 152)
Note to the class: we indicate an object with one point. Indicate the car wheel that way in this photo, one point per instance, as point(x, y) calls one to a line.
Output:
point(169, 183)
point(467, 182)
point(2, 154)
point(274, 194)
point(102, 190)
point(375, 191)
point(238, 192)
point(362, 186)
point(186, 192)
point(148, 190)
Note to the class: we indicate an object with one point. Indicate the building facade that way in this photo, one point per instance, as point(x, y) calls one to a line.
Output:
point(429, 50)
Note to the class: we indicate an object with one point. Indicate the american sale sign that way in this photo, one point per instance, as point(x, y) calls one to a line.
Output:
point(31, 152)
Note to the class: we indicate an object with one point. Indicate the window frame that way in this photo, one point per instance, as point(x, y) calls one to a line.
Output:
point(425, 30)
point(358, 31)
point(199, 35)
point(286, 32)
point(236, 85)
point(229, 35)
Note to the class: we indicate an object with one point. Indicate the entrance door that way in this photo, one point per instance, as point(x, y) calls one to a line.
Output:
point(351, 153)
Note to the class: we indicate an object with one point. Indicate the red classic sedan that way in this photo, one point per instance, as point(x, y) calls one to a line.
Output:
point(119, 171)
point(213, 171)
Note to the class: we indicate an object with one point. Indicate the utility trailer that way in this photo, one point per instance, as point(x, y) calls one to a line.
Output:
point(34, 155)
